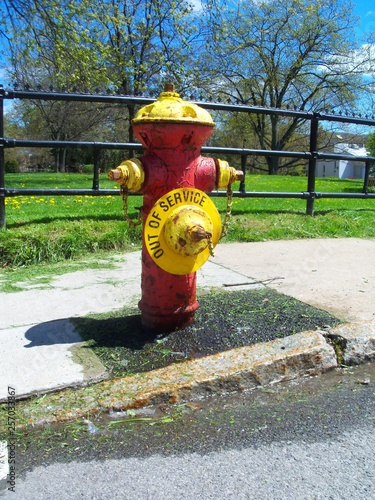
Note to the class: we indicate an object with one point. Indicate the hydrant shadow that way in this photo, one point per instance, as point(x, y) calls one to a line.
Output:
point(60, 331)
point(122, 331)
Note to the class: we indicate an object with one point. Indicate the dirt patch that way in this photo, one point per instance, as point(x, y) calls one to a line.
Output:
point(225, 320)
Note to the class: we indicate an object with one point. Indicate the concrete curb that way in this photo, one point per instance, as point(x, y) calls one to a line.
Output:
point(235, 370)
point(356, 340)
point(244, 368)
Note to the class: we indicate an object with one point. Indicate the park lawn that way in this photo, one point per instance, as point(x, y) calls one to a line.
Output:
point(47, 229)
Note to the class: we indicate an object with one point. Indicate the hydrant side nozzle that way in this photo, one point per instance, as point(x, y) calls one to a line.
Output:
point(130, 174)
point(115, 175)
point(226, 175)
point(239, 175)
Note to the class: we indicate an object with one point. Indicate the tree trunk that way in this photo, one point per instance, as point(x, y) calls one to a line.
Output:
point(60, 160)
point(273, 165)
point(57, 160)
point(63, 159)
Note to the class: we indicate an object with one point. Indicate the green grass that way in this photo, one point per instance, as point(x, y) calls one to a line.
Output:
point(262, 219)
point(53, 229)
point(58, 228)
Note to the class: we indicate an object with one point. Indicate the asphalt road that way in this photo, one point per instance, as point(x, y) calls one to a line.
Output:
point(307, 439)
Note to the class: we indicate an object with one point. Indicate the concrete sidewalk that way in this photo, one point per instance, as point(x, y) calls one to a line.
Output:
point(336, 275)
point(40, 350)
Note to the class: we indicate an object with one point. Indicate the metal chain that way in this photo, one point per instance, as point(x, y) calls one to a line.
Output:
point(210, 244)
point(228, 211)
point(227, 217)
point(124, 193)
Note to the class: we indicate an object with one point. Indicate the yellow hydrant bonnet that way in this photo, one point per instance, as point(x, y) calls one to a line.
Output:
point(169, 107)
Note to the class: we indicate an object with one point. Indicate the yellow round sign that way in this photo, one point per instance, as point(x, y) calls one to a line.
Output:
point(179, 228)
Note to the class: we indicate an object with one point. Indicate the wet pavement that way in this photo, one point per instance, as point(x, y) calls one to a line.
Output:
point(308, 438)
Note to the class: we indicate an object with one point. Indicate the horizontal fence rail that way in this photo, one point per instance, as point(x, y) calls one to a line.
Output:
point(311, 156)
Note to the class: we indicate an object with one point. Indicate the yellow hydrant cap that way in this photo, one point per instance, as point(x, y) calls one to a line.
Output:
point(169, 107)
point(167, 224)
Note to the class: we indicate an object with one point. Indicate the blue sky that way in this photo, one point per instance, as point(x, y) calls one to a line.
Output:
point(366, 10)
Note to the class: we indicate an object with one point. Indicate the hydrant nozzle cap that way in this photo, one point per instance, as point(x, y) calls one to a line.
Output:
point(169, 107)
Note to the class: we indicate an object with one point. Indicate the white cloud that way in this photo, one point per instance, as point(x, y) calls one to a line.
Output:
point(359, 61)
point(196, 5)
point(364, 57)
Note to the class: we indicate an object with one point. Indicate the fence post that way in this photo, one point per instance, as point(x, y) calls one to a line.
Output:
point(95, 181)
point(312, 164)
point(367, 174)
point(2, 161)
point(242, 188)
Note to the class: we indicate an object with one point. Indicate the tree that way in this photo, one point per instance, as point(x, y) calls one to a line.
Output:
point(370, 145)
point(290, 54)
point(128, 45)
point(125, 46)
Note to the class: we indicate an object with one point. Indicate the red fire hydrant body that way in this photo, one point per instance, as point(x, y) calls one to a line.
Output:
point(172, 133)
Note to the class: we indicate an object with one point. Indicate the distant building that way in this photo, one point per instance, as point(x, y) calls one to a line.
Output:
point(343, 169)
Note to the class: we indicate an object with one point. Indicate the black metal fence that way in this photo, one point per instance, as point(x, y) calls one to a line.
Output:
point(312, 155)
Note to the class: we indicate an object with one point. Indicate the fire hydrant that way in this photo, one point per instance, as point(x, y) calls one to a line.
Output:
point(181, 225)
